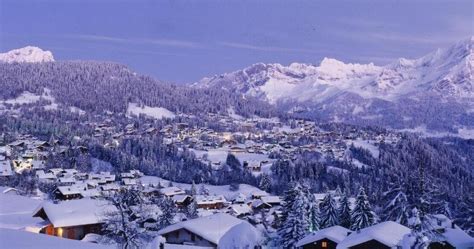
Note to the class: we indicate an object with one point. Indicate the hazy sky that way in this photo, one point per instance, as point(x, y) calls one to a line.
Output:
point(183, 41)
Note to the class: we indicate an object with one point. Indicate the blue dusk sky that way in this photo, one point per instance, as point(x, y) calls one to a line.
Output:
point(183, 41)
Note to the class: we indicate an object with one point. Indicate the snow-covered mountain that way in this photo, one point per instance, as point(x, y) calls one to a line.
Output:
point(400, 94)
point(27, 54)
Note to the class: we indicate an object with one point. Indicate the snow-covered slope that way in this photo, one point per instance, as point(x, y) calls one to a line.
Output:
point(338, 91)
point(27, 54)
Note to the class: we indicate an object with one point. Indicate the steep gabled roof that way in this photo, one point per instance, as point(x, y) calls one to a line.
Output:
point(388, 233)
point(334, 233)
point(211, 228)
point(74, 212)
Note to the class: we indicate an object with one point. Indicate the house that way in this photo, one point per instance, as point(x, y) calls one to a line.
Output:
point(239, 210)
point(327, 238)
point(73, 219)
point(171, 191)
point(383, 235)
point(210, 202)
point(451, 236)
point(214, 231)
point(68, 192)
point(272, 200)
point(6, 168)
point(182, 200)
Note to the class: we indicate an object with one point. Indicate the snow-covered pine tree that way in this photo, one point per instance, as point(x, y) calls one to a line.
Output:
point(362, 214)
point(193, 190)
point(314, 214)
point(396, 207)
point(124, 225)
point(344, 212)
point(288, 198)
point(191, 210)
point(296, 224)
point(329, 212)
point(418, 238)
point(203, 190)
point(265, 182)
point(168, 210)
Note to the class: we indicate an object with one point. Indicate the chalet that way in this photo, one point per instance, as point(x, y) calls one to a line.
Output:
point(239, 210)
point(182, 200)
point(171, 191)
point(73, 219)
point(5, 168)
point(214, 231)
point(210, 202)
point(68, 192)
point(451, 236)
point(327, 238)
point(45, 177)
point(272, 200)
point(384, 235)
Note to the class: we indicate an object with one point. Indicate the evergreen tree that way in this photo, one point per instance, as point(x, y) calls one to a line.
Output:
point(191, 210)
point(168, 210)
point(296, 224)
point(193, 190)
point(329, 212)
point(396, 207)
point(314, 214)
point(344, 212)
point(265, 182)
point(362, 215)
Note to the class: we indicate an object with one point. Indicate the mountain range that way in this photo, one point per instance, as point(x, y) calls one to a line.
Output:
point(434, 92)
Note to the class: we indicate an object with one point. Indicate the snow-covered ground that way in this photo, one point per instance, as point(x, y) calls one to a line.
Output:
point(16, 239)
point(463, 132)
point(16, 212)
point(366, 145)
point(244, 189)
point(153, 112)
point(219, 156)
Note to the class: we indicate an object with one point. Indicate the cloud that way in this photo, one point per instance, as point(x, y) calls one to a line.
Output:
point(264, 48)
point(152, 41)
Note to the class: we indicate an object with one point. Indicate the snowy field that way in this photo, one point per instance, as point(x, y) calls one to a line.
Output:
point(244, 189)
point(16, 212)
point(366, 144)
point(219, 156)
point(16, 239)
point(153, 112)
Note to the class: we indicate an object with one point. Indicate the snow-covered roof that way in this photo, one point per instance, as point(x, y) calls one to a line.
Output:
point(388, 233)
point(334, 233)
point(5, 168)
point(272, 199)
point(209, 199)
point(75, 212)
point(458, 238)
point(169, 191)
point(16, 239)
point(215, 227)
point(240, 209)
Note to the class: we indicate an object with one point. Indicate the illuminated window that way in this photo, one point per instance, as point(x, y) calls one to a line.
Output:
point(324, 244)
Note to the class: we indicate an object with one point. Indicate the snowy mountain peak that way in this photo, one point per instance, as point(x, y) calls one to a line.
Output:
point(27, 54)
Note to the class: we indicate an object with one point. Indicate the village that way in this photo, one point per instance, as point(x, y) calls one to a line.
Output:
point(76, 202)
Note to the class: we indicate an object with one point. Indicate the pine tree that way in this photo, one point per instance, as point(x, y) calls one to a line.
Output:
point(396, 206)
point(193, 190)
point(314, 217)
point(168, 210)
point(296, 224)
point(329, 212)
point(265, 182)
point(344, 212)
point(362, 215)
point(191, 210)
